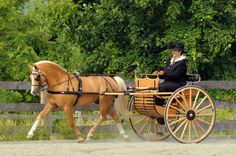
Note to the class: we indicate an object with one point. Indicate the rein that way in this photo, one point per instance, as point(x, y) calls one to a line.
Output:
point(79, 92)
point(38, 78)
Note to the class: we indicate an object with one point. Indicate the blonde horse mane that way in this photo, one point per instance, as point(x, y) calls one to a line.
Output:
point(49, 63)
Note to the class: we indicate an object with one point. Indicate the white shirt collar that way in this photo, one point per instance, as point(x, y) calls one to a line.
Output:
point(182, 57)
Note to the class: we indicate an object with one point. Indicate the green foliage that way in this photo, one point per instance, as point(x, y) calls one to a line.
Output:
point(223, 95)
point(10, 96)
point(117, 36)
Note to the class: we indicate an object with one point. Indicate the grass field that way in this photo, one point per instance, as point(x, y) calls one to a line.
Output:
point(13, 130)
point(16, 129)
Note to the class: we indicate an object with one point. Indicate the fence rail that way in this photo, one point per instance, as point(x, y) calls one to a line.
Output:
point(36, 107)
point(218, 84)
point(17, 85)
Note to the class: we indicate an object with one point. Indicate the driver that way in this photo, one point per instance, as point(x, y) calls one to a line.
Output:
point(174, 73)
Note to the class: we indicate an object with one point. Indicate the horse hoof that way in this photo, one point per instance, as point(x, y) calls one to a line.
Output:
point(127, 139)
point(80, 140)
point(89, 139)
point(29, 136)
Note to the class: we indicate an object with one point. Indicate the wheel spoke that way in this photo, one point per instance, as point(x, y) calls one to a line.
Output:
point(186, 124)
point(200, 126)
point(176, 115)
point(200, 110)
point(195, 129)
point(183, 97)
point(205, 114)
point(189, 130)
point(149, 129)
point(200, 103)
point(195, 101)
point(208, 123)
point(180, 126)
point(177, 109)
point(140, 120)
point(176, 121)
point(144, 125)
point(190, 98)
point(180, 104)
point(158, 125)
point(155, 129)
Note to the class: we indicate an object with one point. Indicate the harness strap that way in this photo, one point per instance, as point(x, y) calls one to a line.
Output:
point(77, 74)
point(80, 82)
point(74, 92)
point(69, 82)
point(108, 83)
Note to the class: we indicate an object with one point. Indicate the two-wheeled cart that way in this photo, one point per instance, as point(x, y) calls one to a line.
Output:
point(188, 114)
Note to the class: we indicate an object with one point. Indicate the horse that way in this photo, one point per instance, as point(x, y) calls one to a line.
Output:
point(66, 90)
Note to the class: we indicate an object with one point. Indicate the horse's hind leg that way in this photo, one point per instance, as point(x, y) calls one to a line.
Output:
point(116, 118)
point(93, 129)
point(71, 121)
point(104, 103)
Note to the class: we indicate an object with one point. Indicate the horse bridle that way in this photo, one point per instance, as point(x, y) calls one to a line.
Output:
point(41, 86)
point(38, 74)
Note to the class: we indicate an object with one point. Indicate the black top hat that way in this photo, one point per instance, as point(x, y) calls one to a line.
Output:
point(176, 46)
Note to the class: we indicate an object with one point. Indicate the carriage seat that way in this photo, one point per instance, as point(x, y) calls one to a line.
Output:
point(193, 78)
point(142, 83)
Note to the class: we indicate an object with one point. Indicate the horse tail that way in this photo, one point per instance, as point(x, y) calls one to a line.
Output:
point(121, 102)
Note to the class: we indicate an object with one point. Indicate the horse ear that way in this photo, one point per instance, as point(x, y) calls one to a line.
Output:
point(30, 66)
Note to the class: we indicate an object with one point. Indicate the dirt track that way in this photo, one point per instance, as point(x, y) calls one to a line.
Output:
point(209, 147)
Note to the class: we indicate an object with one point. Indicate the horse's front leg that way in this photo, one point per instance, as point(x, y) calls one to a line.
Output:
point(47, 109)
point(71, 121)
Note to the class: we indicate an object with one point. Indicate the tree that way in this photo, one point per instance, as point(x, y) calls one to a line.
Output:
point(117, 36)
point(16, 40)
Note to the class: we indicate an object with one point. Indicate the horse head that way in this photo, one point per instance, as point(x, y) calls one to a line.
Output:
point(38, 79)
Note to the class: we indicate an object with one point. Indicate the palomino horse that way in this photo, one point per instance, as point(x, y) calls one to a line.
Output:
point(62, 88)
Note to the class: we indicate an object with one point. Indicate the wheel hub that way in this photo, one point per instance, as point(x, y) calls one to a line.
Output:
point(190, 115)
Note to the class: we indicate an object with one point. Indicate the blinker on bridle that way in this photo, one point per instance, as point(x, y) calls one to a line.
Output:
point(38, 76)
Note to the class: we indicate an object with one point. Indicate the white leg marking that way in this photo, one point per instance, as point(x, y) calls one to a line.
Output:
point(33, 128)
point(121, 130)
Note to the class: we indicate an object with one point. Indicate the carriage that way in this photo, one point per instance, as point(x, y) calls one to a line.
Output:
point(188, 114)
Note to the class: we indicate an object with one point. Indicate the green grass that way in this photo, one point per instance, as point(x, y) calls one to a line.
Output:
point(17, 129)
point(225, 114)
point(224, 133)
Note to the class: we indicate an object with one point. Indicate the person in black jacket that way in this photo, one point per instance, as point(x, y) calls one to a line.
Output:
point(174, 73)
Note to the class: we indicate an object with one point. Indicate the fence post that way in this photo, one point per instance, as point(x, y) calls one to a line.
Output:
point(78, 118)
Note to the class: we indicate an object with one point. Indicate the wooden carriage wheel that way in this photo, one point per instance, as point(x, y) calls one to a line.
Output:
point(146, 127)
point(195, 111)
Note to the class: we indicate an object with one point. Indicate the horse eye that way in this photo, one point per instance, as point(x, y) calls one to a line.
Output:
point(37, 78)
